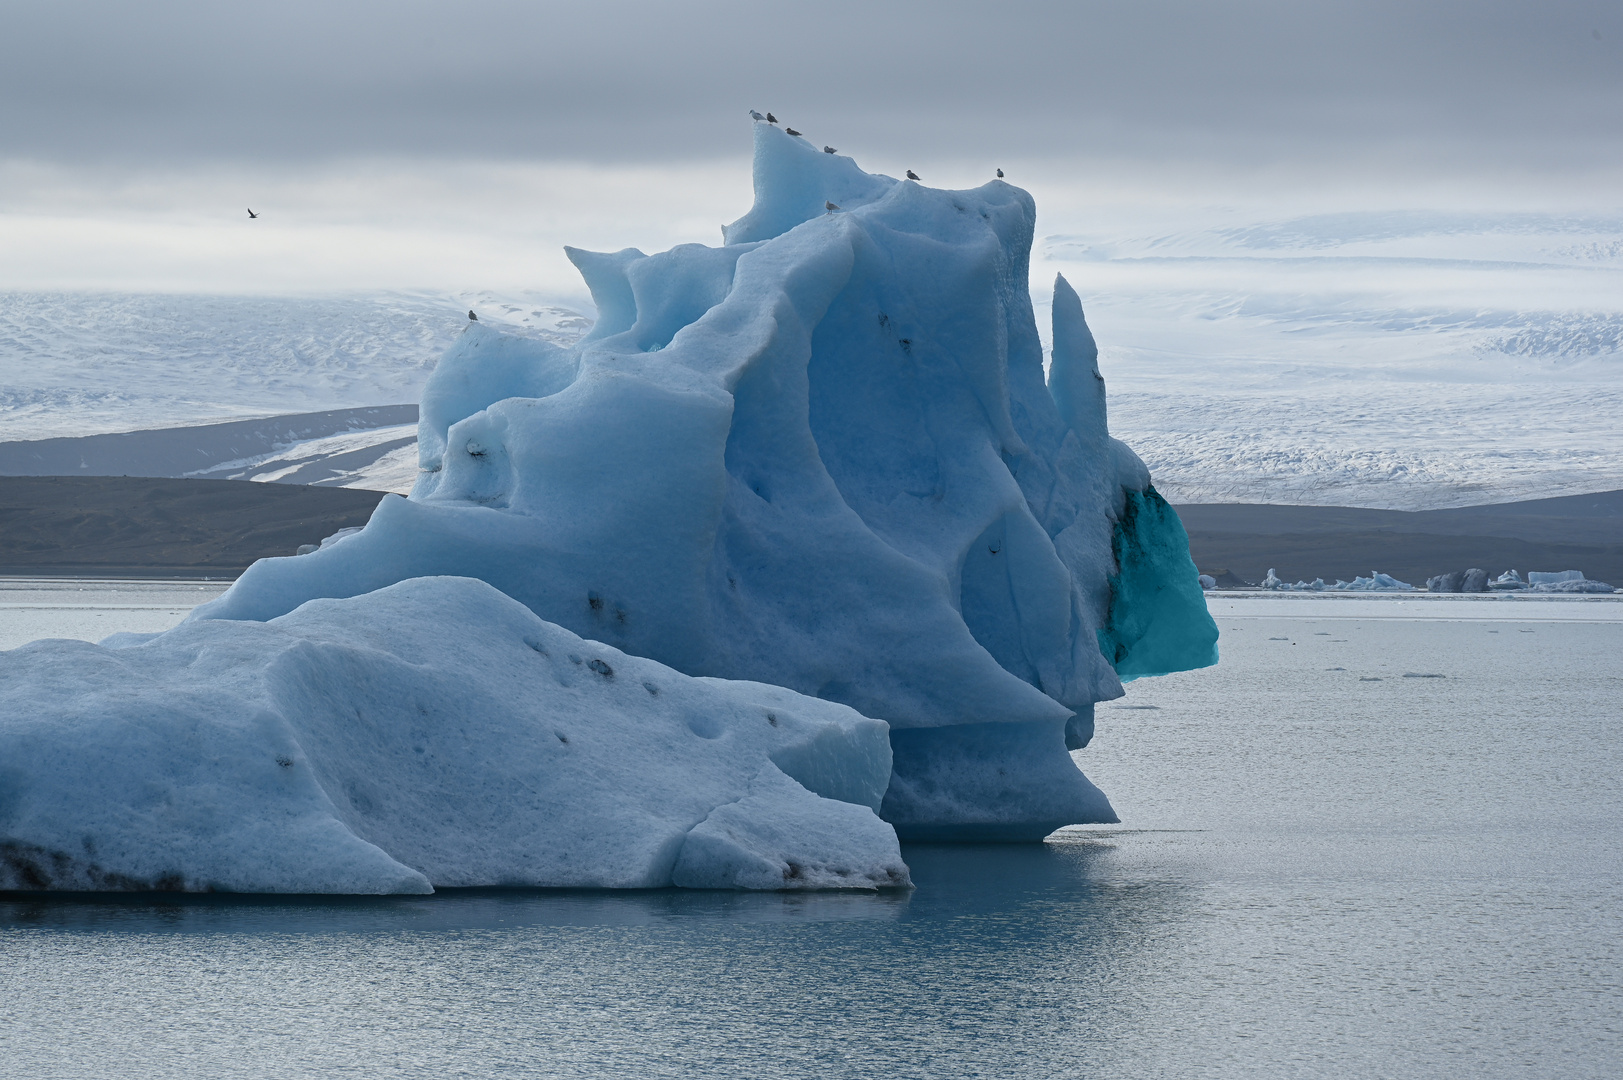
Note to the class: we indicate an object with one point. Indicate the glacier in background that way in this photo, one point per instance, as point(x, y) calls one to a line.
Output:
point(1401, 360)
point(823, 456)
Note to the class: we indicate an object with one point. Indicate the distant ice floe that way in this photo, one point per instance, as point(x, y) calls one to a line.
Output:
point(1459, 581)
point(1560, 581)
point(1378, 582)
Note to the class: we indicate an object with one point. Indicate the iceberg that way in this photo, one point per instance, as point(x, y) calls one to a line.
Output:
point(434, 733)
point(820, 469)
point(1564, 581)
point(1474, 580)
point(1509, 581)
point(1573, 587)
point(825, 456)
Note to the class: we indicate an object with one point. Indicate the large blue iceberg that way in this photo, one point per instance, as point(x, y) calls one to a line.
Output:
point(823, 456)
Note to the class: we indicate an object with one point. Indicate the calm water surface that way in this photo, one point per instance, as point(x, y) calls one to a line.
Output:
point(90, 609)
point(1328, 865)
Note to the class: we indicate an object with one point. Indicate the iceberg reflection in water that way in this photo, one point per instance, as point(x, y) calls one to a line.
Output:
point(1317, 876)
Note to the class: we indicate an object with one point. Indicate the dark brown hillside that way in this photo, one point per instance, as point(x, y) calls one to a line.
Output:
point(156, 527)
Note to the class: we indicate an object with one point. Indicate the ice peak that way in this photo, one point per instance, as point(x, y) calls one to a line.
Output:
point(605, 275)
point(793, 181)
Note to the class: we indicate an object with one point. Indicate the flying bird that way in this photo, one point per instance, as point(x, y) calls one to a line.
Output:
point(911, 175)
point(791, 131)
point(755, 115)
point(831, 206)
point(828, 150)
point(471, 316)
point(251, 214)
point(1000, 174)
point(771, 119)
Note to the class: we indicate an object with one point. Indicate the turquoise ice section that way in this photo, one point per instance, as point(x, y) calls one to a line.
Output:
point(1158, 622)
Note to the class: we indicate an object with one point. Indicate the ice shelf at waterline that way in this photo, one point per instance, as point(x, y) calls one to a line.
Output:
point(823, 456)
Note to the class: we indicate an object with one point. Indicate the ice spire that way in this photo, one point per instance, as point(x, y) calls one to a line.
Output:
point(793, 181)
point(1073, 377)
point(606, 276)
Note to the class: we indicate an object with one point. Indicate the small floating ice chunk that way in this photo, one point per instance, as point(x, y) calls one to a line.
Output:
point(1509, 581)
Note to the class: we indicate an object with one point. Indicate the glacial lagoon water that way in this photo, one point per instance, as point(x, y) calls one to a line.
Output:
point(1379, 839)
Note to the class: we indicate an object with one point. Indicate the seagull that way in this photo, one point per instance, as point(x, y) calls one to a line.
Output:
point(252, 214)
point(755, 115)
point(791, 131)
point(471, 316)
point(831, 207)
point(771, 119)
point(828, 150)
point(911, 175)
point(1000, 174)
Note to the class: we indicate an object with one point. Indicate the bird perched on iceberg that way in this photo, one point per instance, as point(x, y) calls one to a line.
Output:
point(471, 316)
point(771, 119)
point(830, 207)
point(1000, 174)
point(791, 131)
point(911, 175)
point(829, 150)
point(755, 115)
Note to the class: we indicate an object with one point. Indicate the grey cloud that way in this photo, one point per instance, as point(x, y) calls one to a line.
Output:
point(1471, 85)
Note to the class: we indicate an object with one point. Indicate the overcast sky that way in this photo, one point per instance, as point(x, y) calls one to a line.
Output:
point(364, 113)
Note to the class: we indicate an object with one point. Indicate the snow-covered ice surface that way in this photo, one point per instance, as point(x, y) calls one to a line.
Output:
point(435, 733)
point(822, 456)
point(86, 364)
point(1398, 360)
